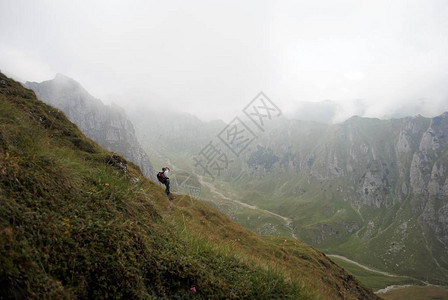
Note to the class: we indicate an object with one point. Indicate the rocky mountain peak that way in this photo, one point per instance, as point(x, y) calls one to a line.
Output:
point(62, 77)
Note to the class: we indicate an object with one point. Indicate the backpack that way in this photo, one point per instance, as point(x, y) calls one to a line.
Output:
point(161, 177)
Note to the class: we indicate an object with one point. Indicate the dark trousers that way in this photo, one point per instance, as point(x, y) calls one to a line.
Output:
point(167, 184)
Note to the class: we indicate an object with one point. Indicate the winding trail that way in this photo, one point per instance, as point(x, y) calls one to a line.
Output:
point(212, 188)
point(362, 266)
point(388, 288)
point(391, 288)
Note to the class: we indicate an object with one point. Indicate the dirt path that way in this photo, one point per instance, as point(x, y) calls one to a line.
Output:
point(390, 288)
point(362, 266)
point(212, 188)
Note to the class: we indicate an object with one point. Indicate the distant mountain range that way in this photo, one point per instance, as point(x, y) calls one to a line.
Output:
point(105, 124)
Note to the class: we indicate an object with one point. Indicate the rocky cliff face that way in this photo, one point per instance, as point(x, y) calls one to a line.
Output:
point(384, 161)
point(428, 176)
point(107, 125)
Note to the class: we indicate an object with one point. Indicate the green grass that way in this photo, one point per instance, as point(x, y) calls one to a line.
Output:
point(261, 223)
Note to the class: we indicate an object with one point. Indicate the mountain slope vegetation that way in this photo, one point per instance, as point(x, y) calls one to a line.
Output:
point(77, 221)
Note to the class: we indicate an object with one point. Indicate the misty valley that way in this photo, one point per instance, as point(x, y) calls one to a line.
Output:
point(224, 149)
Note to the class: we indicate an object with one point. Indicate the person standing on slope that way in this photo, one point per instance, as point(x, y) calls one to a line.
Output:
point(163, 178)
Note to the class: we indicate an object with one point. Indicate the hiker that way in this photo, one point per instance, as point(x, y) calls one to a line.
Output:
point(163, 178)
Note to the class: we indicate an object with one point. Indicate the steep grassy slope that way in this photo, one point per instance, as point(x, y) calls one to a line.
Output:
point(77, 221)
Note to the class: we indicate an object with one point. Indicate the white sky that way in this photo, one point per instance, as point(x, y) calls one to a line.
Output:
point(210, 58)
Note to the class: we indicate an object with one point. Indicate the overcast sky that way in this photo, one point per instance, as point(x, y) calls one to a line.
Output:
point(211, 58)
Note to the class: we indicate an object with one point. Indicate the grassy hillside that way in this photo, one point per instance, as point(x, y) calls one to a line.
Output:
point(77, 221)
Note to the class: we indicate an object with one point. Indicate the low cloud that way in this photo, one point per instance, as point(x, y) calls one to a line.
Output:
point(211, 59)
